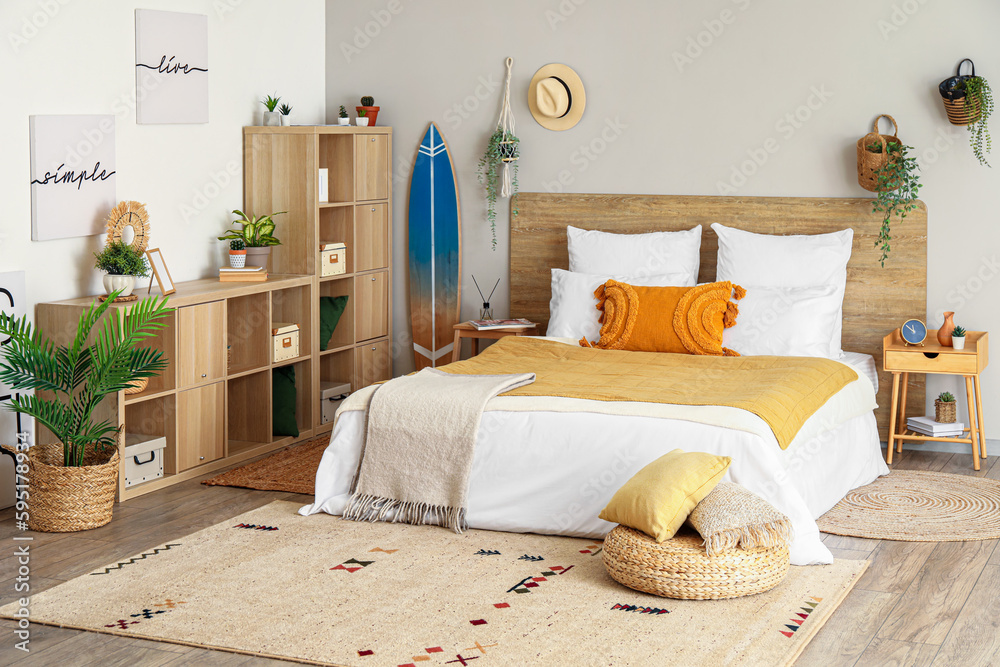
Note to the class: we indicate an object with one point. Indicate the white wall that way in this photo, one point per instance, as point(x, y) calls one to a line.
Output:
point(76, 57)
point(656, 123)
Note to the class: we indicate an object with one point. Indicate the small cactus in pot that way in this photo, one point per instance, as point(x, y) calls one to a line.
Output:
point(237, 254)
point(958, 338)
point(371, 111)
point(944, 408)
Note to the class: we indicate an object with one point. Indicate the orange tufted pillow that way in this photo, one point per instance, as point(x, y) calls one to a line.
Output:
point(682, 320)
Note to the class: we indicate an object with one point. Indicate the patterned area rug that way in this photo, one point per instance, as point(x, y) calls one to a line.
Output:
point(322, 590)
point(917, 506)
point(292, 469)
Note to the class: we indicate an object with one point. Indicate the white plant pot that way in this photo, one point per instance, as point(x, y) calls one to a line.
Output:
point(362, 122)
point(272, 119)
point(343, 121)
point(286, 120)
point(124, 283)
point(237, 261)
point(958, 343)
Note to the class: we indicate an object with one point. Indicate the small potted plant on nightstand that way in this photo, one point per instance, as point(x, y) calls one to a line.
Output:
point(371, 111)
point(122, 264)
point(958, 338)
point(344, 119)
point(362, 119)
point(272, 117)
point(237, 254)
point(286, 113)
point(944, 408)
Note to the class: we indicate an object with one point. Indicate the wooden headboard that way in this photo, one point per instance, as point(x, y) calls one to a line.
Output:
point(877, 300)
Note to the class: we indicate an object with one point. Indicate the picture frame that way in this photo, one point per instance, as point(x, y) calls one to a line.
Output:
point(160, 271)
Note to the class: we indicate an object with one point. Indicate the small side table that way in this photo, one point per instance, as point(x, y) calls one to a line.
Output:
point(932, 357)
point(466, 330)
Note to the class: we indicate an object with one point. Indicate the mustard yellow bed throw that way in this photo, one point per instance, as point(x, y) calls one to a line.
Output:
point(783, 391)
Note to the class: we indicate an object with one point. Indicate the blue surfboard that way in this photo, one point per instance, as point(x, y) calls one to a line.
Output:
point(434, 226)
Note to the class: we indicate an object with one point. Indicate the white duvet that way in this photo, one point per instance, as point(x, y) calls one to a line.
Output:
point(550, 465)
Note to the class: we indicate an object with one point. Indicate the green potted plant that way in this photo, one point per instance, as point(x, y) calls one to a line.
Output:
point(237, 253)
point(344, 119)
point(968, 100)
point(498, 172)
point(256, 234)
point(362, 119)
point(122, 264)
point(944, 408)
point(286, 112)
point(73, 482)
point(958, 338)
point(897, 188)
point(272, 117)
point(371, 111)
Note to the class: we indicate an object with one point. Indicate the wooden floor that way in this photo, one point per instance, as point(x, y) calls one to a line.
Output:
point(919, 603)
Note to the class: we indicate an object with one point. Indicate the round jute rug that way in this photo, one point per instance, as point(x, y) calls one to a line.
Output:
point(915, 506)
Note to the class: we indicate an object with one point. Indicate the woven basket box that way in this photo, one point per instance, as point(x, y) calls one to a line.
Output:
point(285, 337)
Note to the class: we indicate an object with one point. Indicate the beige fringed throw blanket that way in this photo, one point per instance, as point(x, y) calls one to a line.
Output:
point(420, 439)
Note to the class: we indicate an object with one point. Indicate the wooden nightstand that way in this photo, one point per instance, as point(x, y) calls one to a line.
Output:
point(931, 357)
point(466, 330)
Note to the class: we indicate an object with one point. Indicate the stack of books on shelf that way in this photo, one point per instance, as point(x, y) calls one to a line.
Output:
point(927, 426)
point(521, 323)
point(250, 274)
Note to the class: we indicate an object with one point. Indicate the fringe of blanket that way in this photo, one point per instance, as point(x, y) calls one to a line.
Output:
point(773, 534)
point(363, 507)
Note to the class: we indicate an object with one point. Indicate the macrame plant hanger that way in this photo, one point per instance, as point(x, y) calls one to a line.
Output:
point(508, 147)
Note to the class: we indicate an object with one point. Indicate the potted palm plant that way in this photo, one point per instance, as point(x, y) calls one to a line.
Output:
point(256, 234)
point(73, 482)
point(122, 264)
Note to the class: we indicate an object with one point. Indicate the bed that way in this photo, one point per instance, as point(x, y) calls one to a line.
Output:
point(552, 471)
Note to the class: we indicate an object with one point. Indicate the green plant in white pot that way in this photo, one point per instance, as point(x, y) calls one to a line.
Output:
point(958, 338)
point(73, 483)
point(257, 235)
point(271, 117)
point(122, 264)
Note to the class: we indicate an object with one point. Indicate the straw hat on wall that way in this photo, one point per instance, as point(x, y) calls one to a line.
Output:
point(556, 97)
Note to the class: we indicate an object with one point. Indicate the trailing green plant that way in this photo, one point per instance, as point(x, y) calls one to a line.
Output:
point(958, 332)
point(367, 101)
point(256, 232)
point(271, 102)
point(237, 244)
point(120, 259)
point(343, 112)
point(897, 190)
point(946, 397)
point(979, 96)
point(285, 109)
point(75, 378)
point(502, 148)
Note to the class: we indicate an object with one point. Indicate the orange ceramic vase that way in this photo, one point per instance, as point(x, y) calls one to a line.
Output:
point(944, 333)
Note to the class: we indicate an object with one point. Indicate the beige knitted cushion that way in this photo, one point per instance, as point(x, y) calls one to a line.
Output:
point(731, 516)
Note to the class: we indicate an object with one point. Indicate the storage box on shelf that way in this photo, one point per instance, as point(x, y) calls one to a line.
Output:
point(212, 405)
point(332, 395)
point(333, 259)
point(285, 336)
point(357, 213)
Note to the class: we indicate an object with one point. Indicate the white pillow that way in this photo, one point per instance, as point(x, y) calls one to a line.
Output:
point(785, 322)
point(573, 308)
point(652, 254)
point(764, 260)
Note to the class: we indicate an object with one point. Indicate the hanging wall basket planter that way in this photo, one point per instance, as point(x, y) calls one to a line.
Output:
point(960, 110)
point(874, 154)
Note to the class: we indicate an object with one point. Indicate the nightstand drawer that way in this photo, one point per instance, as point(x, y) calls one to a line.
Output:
point(916, 362)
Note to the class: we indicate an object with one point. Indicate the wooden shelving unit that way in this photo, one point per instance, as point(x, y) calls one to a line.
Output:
point(213, 402)
point(281, 172)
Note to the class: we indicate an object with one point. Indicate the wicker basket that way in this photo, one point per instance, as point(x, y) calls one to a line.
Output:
point(137, 386)
point(953, 95)
point(679, 568)
point(66, 499)
point(868, 162)
point(945, 412)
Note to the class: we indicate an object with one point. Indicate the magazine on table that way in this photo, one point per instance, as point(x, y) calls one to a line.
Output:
point(519, 323)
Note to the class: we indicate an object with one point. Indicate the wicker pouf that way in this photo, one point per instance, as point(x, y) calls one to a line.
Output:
point(678, 568)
